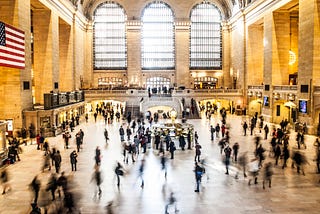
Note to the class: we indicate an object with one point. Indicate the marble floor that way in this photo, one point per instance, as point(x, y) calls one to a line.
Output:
point(220, 193)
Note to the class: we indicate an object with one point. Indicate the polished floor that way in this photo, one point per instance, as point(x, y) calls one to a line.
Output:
point(220, 193)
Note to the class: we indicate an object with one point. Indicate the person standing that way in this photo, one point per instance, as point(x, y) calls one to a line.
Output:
point(73, 160)
point(217, 130)
point(198, 152)
point(189, 138)
point(121, 132)
point(129, 132)
point(78, 141)
point(212, 131)
point(57, 161)
point(182, 142)
point(245, 127)
point(66, 138)
point(266, 131)
point(172, 148)
point(235, 149)
point(227, 151)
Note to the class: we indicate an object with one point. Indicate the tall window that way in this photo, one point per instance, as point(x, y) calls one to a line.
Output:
point(205, 37)
point(110, 50)
point(158, 37)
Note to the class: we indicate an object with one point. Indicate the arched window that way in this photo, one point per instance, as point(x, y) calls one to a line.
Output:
point(109, 47)
point(157, 37)
point(205, 37)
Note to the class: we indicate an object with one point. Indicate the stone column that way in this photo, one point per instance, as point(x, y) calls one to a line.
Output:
point(66, 76)
point(182, 40)
point(309, 52)
point(88, 57)
point(46, 52)
point(134, 52)
point(228, 70)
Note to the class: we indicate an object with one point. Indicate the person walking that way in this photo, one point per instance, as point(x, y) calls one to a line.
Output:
point(97, 177)
point(52, 185)
point(163, 161)
point(141, 171)
point(267, 174)
point(73, 160)
point(119, 171)
point(172, 201)
point(198, 170)
point(5, 181)
point(35, 187)
point(98, 156)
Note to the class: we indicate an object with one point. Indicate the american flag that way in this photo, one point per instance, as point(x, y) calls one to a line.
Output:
point(12, 48)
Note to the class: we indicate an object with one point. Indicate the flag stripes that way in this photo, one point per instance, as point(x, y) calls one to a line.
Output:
point(12, 47)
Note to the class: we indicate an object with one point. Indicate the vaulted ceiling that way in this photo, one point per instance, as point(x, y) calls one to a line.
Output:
point(89, 5)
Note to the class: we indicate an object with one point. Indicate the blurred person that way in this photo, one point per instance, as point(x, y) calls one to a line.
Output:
point(299, 160)
point(98, 156)
point(106, 135)
point(243, 161)
point(171, 201)
point(46, 162)
point(97, 178)
point(35, 187)
point(163, 161)
point(141, 171)
point(267, 174)
point(5, 181)
point(285, 155)
point(119, 171)
point(52, 185)
point(254, 171)
point(62, 184)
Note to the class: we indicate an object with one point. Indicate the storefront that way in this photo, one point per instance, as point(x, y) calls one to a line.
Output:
point(49, 122)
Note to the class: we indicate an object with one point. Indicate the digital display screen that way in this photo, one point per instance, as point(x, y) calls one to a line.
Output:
point(303, 104)
point(266, 101)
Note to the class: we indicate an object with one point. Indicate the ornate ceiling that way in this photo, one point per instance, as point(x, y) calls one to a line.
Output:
point(88, 6)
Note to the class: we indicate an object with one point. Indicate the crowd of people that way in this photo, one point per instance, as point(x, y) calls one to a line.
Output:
point(137, 140)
